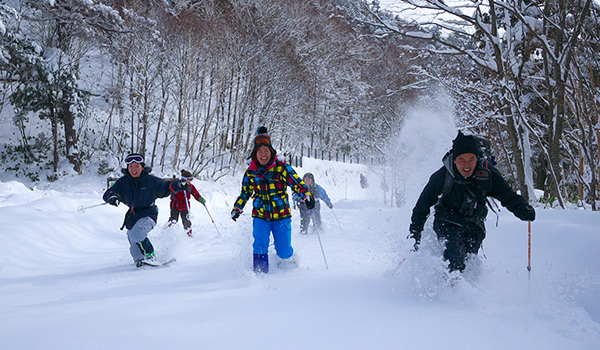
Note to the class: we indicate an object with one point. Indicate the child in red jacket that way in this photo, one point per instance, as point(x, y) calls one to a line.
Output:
point(180, 203)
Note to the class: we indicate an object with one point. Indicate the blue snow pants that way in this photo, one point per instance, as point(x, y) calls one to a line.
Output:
point(282, 236)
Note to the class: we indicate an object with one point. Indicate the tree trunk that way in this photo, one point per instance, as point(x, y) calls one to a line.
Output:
point(161, 117)
point(515, 140)
point(70, 133)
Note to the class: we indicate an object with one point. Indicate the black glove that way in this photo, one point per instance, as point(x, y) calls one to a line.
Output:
point(113, 200)
point(309, 201)
point(235, 214)
point(183, 185)
point(527, 213)
point(417, 237)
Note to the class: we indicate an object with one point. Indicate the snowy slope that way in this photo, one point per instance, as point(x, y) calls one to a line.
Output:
point(67, 281)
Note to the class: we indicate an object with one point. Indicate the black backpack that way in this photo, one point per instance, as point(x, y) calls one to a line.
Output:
point(487, 153)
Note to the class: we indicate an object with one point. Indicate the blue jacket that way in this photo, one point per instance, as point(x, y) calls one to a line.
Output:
point(317, 191)
point(139, 195)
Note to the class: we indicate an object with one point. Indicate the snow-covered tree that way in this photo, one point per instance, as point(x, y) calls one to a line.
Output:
point(525, 51)
point(65, 31)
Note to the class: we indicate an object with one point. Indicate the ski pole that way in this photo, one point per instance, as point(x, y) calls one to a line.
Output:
point(211, 219)
point(81, 209)
point(336, 219)
point(189, 215)
point(321, 244)
point(400, 264)
point(529, 253)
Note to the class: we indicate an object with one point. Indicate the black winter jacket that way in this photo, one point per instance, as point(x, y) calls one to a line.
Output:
point(139, 195)
point(448, 207)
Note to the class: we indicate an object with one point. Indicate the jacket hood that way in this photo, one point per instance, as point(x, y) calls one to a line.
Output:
point(449, 163)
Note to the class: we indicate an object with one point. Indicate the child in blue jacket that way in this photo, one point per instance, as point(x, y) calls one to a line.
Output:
point(138, 189)
point(305, 213)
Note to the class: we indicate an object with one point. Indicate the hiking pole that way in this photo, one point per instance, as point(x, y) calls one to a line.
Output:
point(529, 254)
point(321, 244)
point(211, 219)
point(189, 215)
point(402, 262)
point(81, 209)
point(336, 219)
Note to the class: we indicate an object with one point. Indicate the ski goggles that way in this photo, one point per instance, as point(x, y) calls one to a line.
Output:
point(137, 158)
point(187, 178)
point(262, 140)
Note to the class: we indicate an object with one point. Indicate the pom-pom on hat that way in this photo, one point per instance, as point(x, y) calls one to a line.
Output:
point(465, 144)
point(262, 138)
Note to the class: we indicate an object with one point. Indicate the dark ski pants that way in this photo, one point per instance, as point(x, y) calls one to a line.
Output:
point(139, 244)
point(184, 217)
point(306, 216)
point(460, 240)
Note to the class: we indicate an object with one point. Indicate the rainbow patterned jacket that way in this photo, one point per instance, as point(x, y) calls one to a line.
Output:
point(267, 185)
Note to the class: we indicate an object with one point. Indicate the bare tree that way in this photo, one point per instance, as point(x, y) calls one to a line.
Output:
point(500, 38)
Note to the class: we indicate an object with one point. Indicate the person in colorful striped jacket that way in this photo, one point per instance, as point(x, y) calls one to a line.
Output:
point(266, 181)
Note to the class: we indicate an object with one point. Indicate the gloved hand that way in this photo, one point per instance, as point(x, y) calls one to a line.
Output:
point(527, 213)
point(309, 201)
point(417, 237)
point(183, 185)
point(113, 200)
point(202, 200)
point(330, 205)
point(235, 214)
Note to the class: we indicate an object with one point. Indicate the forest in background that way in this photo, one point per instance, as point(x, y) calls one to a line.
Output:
point(188, 82)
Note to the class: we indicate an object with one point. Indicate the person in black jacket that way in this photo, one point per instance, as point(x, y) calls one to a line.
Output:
point(463, 183)
point(138, 189)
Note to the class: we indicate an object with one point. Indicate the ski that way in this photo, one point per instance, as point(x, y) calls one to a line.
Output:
point(158, 265)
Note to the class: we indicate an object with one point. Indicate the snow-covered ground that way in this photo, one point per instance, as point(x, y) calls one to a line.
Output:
point(67, 280)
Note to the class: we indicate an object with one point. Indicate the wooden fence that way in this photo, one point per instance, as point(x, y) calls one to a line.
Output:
point(315, 153)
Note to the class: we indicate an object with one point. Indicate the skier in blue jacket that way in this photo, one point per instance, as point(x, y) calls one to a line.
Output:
point(305, 213)
point(138, 189)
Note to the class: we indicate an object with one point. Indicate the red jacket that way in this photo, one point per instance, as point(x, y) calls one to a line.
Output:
point(178, 199)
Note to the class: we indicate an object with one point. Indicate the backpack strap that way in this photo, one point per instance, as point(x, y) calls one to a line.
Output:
point(448, 182)
point(486, 176)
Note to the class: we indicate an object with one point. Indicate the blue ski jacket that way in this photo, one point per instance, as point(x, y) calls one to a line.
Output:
point(317, 191)
point(139, 195)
